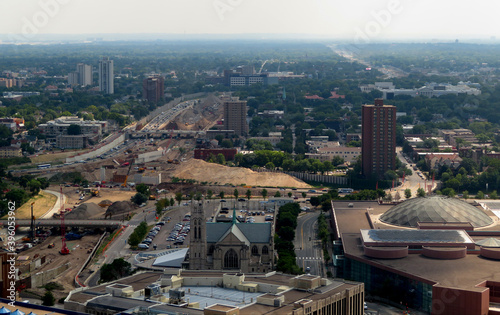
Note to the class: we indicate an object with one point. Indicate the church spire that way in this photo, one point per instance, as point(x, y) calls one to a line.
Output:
point(234, 214)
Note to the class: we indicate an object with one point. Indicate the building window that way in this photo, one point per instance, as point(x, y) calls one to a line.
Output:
point(265, 250)
point(211, 250)
point(255, 250)
point(231, 260)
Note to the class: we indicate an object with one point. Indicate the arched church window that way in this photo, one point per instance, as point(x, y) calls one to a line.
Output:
point(265, 250)
point(231, 260)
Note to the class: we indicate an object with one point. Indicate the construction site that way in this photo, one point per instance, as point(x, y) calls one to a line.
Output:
point(164, 162)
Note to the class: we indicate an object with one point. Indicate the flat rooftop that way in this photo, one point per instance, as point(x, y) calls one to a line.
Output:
point(207, 296)
point(415, 237)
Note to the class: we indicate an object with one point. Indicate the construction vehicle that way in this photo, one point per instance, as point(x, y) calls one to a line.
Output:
point(152, 197)
point(141, 169)
point(126, 178)
point(94, 192)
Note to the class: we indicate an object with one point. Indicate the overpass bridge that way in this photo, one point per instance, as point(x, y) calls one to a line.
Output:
point(165, 133)
point(67, 223)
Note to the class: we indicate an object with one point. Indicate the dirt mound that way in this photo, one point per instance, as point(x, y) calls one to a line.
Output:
point(105, 203)
point(214, 173)
point(84, 211)
point(120, 207)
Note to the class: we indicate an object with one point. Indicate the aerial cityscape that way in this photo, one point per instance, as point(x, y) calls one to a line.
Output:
point(236, 157)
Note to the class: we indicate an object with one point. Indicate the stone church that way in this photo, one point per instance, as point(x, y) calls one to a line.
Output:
point(246, 247)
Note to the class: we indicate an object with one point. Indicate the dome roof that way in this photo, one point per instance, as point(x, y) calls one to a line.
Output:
point(489, 242)
point(435, 208)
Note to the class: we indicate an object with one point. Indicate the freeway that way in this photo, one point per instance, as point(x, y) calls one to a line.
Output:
point(307, 245)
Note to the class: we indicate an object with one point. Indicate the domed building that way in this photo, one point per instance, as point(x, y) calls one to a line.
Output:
point(436, 208)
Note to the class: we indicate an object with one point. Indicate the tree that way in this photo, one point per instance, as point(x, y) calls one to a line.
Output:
point(139, 198)
point(480, 195)
point(408, 193)
point(74, 130)
point(117, 269)
point(226, 143)
point(264, 193)
point(178, 198)
point(198, 196)
point(270, 166)
point(465, 194)
point(290, 194)
point(172, 201)
point(221, 159)
point(34, 186)
point(236, 193)
point(494, 195)
point(420, 192)
point(450, 192)
point(48, 299)
point(277, 194)
point(397, 196)
point(249, 194)
point(337, 160)
point(143, 189)
point(304, 194)
point(210, 193)
point(221, 195)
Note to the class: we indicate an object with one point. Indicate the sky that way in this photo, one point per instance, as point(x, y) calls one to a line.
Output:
point(355, 20)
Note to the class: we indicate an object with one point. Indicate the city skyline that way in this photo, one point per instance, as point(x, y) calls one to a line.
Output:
point(365, 21)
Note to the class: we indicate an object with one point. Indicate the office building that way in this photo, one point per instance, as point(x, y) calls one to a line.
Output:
point(235, 117)
point(59, 126)
point(215, 292)
point(106, 76)
point(378, 128)
point(153, 89)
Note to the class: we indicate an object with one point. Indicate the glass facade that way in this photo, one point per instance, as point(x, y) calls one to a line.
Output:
point(388, 285)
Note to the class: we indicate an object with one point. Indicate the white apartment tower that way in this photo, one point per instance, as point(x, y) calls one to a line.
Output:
point(84, 74)
point(106, 76)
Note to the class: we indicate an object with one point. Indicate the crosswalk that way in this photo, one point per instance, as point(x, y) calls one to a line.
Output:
point(309, 258)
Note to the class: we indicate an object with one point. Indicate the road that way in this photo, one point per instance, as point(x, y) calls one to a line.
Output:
point(57, 205)
point(413, 182)
point(307, 246)
point(119, 247)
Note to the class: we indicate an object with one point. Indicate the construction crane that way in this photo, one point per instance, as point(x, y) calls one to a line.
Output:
point(64, 249)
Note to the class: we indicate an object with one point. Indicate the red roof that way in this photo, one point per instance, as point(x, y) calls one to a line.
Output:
point(313, 97)
point(335, 95)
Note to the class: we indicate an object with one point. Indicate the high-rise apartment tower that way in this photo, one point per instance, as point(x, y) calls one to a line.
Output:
point(378, 126)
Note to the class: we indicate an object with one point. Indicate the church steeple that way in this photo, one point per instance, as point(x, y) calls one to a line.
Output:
point(234, 215)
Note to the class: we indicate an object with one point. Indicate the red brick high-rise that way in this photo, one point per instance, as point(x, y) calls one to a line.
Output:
point(153, 89)
point(378, 127)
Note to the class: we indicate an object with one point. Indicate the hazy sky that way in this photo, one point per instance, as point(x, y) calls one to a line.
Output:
point(366, 19)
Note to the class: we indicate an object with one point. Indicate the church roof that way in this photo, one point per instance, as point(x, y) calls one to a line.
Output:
point(236, 232)
point(253, 232)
